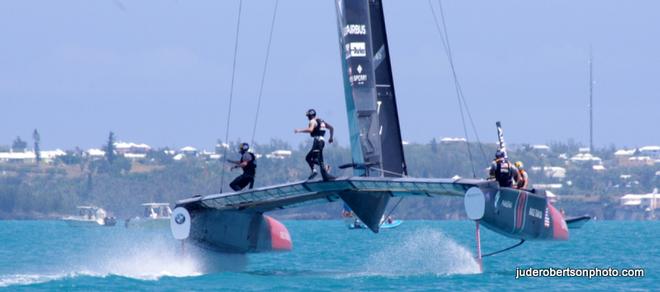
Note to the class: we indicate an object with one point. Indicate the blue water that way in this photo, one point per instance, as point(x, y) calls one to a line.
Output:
point(416, 256)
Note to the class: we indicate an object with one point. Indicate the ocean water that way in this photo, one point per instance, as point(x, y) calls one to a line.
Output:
point(416, 256)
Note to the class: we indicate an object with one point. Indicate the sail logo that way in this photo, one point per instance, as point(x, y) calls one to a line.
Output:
point(356, 50)
point(535, 213)
point(358, 78)
point(354, 29)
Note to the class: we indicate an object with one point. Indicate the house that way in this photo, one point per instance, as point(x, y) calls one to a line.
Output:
point(279, 154)
point(647, 201)
point(129, 147)
point(651, 151)
point(550, 171)
point(622, 155)
point(541, 148)
point(452, 140)
point(188, 151)
point(18, 157)
point(95, 153)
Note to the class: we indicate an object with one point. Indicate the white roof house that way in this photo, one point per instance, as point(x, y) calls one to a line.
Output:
point(94, 152)
point(550, 171)
point(651, 200)
point(624, 152)
point(452, 139)
point(653, 151)
point(279, 154)
point(586, 157)
point(541, 147)
point(18, 156)
point(129, 147)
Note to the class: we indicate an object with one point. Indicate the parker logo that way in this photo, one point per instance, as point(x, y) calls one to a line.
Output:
point(355, 29)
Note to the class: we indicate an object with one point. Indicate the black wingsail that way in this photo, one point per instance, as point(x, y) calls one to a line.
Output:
point(369, 88)
point(390, 134)
point(370, 102)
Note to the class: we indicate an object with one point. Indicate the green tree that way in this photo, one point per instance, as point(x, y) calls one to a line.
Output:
point(110, 148)
point(37, 141)
point(19, 145)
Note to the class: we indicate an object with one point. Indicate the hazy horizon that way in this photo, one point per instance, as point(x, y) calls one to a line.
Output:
point(158, 72)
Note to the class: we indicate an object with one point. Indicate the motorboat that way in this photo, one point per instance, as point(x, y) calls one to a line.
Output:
point(89, 216)
point(156, 215)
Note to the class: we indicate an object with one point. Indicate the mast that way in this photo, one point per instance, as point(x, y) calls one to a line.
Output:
point(591, 103)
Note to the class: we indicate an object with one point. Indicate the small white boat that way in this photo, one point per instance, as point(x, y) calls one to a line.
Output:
point(385, 223)
point(156, 215)
point(89, 216)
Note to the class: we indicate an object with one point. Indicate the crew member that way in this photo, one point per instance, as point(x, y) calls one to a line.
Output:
point(503, 171)
point(316, 128)
point(523, 178)
point(247, 163)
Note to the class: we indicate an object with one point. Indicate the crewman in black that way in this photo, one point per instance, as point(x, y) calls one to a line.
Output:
point(503, 171)
point(316, 128)
point(247, 163)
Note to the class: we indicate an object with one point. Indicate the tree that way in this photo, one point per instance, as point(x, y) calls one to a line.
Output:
point(19, 145)
point(110, 148)
point(37, 140)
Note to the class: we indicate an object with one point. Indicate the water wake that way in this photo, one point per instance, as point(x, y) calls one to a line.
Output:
point(426, 251)
point(147, 260)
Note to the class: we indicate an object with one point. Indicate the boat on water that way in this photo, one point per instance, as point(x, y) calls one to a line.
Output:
point(353, 222)
point(156, 215)
point(89, 216)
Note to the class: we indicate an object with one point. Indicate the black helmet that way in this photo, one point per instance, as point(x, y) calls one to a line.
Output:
point(244, 147)
point(310, 113)
point(499, 154)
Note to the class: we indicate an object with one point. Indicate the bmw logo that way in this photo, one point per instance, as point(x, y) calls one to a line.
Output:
point(179, 218)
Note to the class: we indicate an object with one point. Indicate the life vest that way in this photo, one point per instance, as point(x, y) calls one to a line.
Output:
point(319, 129)
point(503, 173)
point(251, 167)
point(522, 178)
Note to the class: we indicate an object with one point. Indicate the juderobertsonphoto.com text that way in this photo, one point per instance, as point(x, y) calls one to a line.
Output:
point(580, 272)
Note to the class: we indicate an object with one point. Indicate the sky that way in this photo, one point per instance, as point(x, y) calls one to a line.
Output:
point(159, 71)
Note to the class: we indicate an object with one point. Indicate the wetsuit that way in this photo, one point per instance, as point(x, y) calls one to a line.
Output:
point(249, 171)
point(315, 155)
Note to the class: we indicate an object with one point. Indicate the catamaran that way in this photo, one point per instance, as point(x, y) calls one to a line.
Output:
point(236, 222)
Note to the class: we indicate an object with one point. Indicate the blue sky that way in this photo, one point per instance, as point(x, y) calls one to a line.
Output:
point(158, 72)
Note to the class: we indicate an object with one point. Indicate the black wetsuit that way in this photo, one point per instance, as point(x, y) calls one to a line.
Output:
point(315, 155)
point(249, 171)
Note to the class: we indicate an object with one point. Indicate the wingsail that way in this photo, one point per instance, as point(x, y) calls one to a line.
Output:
point(369, 88)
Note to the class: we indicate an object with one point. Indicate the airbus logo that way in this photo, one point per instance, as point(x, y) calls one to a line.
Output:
point(354, 29)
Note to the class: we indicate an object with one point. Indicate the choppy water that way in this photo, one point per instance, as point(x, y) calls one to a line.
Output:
point(417, 256)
